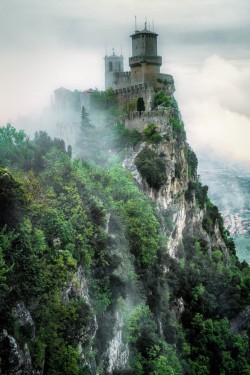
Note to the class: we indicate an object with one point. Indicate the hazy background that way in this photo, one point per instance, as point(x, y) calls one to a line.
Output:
point(46, 44)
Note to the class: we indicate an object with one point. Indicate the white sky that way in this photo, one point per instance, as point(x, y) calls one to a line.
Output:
point(45, 44)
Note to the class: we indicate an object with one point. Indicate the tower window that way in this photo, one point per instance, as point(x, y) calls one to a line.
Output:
point(110, 66)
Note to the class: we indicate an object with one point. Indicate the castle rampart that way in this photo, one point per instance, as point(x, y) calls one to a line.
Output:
point(140, 120)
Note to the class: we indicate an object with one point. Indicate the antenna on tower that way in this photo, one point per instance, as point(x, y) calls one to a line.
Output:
point(106, 52)
point(146, 22)
point(135, 24)
point(153, 25)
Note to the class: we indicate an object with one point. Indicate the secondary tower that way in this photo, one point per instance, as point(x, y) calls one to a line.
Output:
point(113, 66)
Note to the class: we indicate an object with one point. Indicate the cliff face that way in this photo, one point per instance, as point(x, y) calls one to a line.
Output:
point(121, 274)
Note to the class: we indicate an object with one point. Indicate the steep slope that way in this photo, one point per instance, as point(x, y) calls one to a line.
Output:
point(125, 270)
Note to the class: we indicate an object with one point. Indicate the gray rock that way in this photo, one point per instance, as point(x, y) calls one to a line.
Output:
point(24, 318)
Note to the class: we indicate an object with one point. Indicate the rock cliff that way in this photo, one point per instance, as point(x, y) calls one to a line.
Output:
point(125, 271)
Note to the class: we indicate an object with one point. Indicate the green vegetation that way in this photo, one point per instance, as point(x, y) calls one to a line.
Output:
point(105, 101)
point(192, 162)
point(151, 354)
point(162, 99)
point(197, 191)
point(124, 137)
point(64, 220)
point(151, 134)
point(151, 167)
point(178, 126)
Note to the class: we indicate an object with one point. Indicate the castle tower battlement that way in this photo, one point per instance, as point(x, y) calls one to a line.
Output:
point(144, 63)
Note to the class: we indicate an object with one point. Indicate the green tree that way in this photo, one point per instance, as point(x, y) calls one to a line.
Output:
point(151, 167)
point(140, 105)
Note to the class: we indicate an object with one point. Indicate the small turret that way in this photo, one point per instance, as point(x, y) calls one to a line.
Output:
point(113, 64)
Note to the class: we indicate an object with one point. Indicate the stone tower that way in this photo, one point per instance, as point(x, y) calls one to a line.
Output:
point(113, 66)
point(144, 63)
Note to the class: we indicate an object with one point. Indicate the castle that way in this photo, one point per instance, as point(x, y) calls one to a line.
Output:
point(140, 83)
point(144, 78)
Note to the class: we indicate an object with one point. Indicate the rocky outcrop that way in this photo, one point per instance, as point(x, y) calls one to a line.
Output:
point(187, 216)
point(15, 361)
point(24, 319)
point(118, 352)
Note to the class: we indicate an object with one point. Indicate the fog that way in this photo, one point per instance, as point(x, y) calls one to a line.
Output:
point(214, 101)
point(205, 46)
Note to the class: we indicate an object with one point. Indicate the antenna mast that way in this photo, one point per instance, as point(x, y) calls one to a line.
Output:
point(135, 24)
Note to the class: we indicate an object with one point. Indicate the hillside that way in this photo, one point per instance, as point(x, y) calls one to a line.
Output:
point(116, 262)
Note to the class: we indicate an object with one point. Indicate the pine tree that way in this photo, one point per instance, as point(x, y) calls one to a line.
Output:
point(85, 122)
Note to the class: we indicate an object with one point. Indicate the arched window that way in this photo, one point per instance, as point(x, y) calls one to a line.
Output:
point(110, 66)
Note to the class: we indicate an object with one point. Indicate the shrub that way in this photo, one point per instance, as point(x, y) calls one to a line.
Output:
point(192, 162)
point(177, 125)
point(151, 134)
point(151, 167)
point(162, 99)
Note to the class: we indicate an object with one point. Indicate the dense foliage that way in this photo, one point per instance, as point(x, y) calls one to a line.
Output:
point(60, 217)
point(151, 167)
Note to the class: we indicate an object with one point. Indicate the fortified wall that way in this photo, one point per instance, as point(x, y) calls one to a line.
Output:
point(146, 91)
point(160, 117)
point(141, 83)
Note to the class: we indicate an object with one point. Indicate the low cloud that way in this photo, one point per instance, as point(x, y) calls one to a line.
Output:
point(214, 102)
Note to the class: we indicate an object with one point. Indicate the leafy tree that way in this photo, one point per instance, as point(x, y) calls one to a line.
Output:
point(85, 122)
point(15, 148)
point(215, 350)
point(151, 167)
point(12, 200)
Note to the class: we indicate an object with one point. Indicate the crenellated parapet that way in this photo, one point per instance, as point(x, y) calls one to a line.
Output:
point(138, 60)
point(135, 88)
point(140, 120)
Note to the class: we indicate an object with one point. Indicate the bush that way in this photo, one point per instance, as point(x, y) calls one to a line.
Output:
point(177, 125)
point(151, 167)
point(151, 134)
point(162, 99)
point(192, 162)
point(200, 192)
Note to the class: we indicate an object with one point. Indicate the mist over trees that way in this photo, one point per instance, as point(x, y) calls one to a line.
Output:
point(61, 216)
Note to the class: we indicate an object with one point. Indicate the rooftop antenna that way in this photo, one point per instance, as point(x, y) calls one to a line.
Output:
point(153, 25)
point(106, 52)
point(135, 24)
point(146, 22)
point(149, 26)
point(121, 50)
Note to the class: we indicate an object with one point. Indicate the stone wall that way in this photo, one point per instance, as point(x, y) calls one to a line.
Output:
point(121, 80)
point(145, 91)
point(139, 122)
